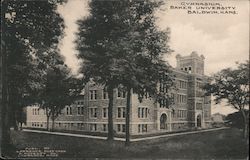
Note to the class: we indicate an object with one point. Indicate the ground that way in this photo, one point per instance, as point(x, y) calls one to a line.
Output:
point(221, 144)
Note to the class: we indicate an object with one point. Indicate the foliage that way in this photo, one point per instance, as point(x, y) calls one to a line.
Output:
point(120, 44)
point(59, 87)
point(232, 85)
point(27, 34)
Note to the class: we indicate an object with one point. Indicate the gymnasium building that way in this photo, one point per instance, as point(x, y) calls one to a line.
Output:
point(191, 108)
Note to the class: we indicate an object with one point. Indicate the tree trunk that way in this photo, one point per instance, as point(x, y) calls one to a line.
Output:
point(5, 117)
point(5, 109)
point(245, 129)
point(127, 142)
point(110, 114)
point(47, 122)
point(21, 126)
point(53, 124)
point(53, 121)
point(15, 118)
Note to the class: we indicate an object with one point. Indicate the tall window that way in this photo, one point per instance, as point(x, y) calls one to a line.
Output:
point(142, 128)
point(93, 94)
point(104, 127)
point(182, 84)
point(143, 112)
point(120, 127)
point(163, 103)
point(181, 98)
point(80, 111)
point(35, 111)
point(121, 93)
point(105, 112)
point(163, 88)
point(121, 112)
point(68, 110)
point(93, 112)
point(182, 113)
point(105, 93)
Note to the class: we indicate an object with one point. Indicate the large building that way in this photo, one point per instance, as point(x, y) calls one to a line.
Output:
point(191, 108)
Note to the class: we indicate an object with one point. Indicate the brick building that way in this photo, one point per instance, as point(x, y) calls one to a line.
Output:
point(90, 111)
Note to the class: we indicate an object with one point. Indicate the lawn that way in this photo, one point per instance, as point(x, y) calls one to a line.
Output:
point(221, 144)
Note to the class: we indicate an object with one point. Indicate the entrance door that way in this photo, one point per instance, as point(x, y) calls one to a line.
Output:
point(199, 120)
point(163, 121)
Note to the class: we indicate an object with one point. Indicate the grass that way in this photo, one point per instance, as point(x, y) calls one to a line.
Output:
point(221, 144)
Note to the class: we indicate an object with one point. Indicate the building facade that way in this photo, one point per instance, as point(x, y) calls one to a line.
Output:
point(191, 108)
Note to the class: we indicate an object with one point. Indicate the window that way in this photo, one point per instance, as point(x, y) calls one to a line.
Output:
point(120, 127)
point(182, 113)
point(93, 94)
point(163, 103)
point(163, 87)
point(139, 112)
point(121, 112)
point(93, 112)
point(80, 103)
point(173, 97)
point(142, 128)
point(105, 93)
point(181, 98)
point(93, 127)
point(182, 84)
point(143, 112)
point(68, 110)
point(104, 127)
point(105, 112)
point(199, 106)
point(80, 111)
point(121, 93)
point(35, 111)
point(147, 95)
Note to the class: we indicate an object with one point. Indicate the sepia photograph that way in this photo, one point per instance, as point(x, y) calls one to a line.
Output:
point(124, 79)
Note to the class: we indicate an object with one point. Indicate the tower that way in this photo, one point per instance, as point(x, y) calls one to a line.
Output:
point(192, 64)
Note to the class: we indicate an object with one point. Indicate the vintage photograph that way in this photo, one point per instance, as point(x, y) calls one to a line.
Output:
point(124, 79)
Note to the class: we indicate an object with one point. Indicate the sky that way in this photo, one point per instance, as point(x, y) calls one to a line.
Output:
point(222, 38)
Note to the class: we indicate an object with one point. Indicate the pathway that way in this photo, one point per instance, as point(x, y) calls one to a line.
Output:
point(123, 139)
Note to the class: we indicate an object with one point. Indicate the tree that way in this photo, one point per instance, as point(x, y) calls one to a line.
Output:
point(27, 33)
point(59, 86)
point(143, 46)
point(232, 85)
point(96, 43)
point(121, 45)
point(60, 90)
